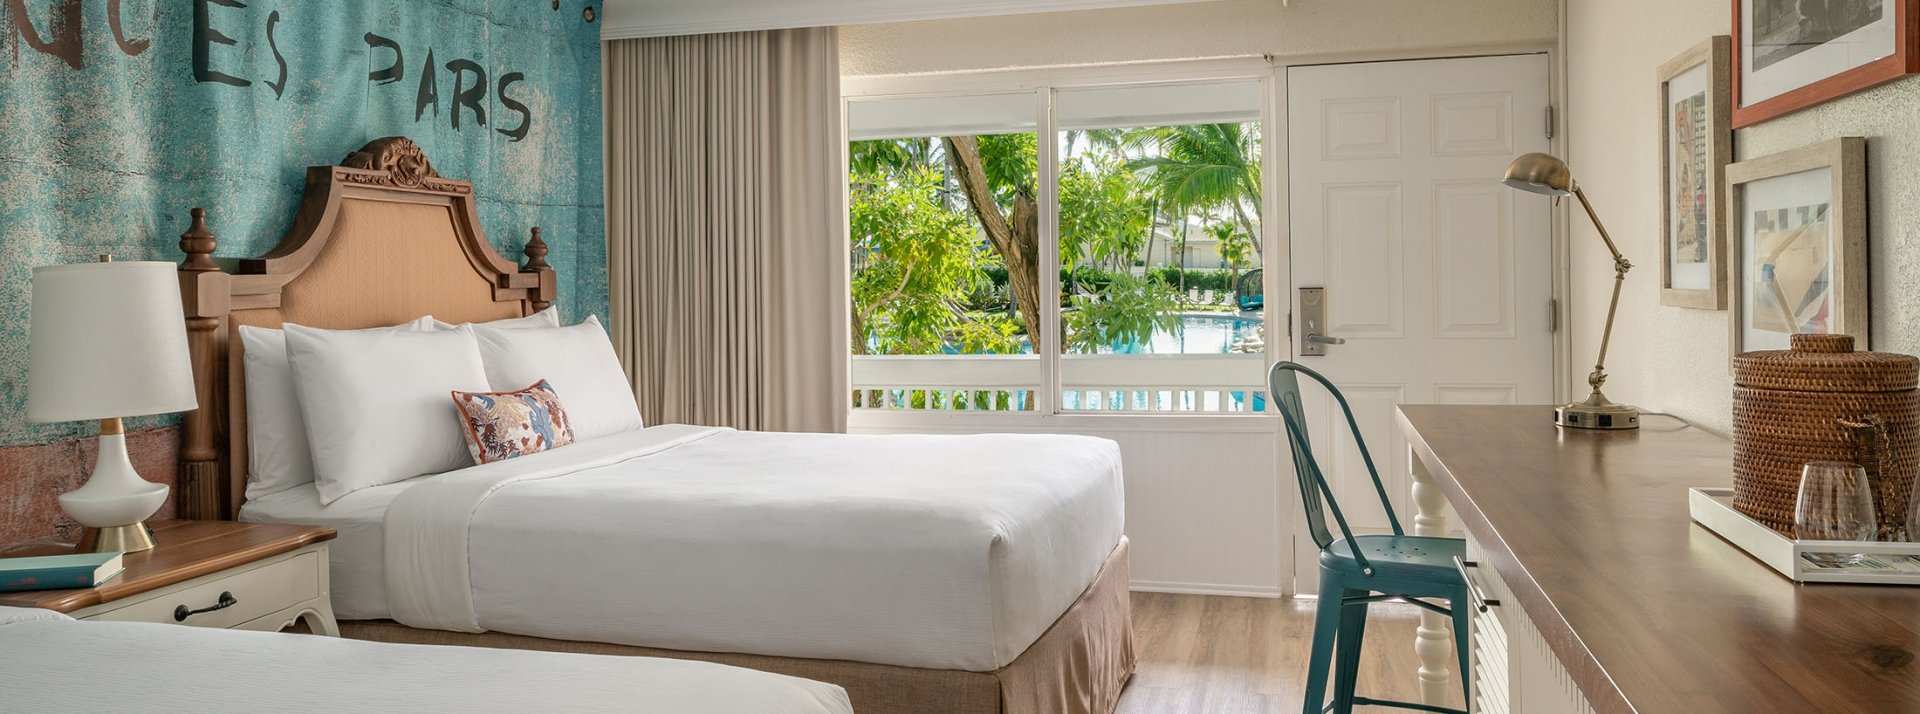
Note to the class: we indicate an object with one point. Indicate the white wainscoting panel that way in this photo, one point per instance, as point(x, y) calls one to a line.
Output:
point(1204, 493)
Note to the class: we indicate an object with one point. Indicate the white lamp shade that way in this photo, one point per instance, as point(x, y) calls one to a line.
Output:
point(107, 340)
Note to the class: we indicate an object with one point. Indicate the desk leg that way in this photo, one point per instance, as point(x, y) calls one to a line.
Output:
point(1433, 641)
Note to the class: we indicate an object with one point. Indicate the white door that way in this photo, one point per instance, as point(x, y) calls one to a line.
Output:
point(1437, 276)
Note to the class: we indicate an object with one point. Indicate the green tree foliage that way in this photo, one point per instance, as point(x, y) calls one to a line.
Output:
point(1105, 212)
point(1203, 168)
point(1235, 246)
point(916, 260)
point(942, 227)
point(1126, 312)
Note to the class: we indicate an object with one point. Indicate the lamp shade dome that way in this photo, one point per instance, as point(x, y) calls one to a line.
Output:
point(107, 340)
point(1540, 173)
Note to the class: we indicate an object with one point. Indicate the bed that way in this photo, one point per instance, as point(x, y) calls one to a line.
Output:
point(921, 573)
point(49, 662)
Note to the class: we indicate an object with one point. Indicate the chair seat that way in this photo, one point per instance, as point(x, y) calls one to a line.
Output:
point(1411, 557)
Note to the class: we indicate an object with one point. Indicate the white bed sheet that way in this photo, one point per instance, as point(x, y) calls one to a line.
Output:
point(358, 554)
point(945, 552)
point(48, 666)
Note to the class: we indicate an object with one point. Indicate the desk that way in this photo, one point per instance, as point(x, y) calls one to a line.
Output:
point(1587, 534)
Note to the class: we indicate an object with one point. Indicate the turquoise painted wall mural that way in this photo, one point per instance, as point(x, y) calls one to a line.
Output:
point(117, 116)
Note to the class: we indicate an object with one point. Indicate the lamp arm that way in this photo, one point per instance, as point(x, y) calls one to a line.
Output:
point(1620, 268)
point(1620, 261)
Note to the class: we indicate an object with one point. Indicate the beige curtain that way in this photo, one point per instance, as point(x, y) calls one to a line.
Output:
point(725, 228)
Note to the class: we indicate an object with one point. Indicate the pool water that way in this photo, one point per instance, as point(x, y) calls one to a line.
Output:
point(1198, 335)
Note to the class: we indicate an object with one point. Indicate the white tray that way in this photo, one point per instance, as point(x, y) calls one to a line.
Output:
point(1885, 564)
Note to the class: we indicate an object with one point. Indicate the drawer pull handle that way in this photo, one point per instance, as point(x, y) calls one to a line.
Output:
point(181, 613)
point(1480, 600)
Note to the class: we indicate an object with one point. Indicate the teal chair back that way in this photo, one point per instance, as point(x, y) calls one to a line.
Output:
point(1316, 498)
point(1411, 569)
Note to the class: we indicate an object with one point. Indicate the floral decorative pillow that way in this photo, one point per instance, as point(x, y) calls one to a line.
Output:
point(503, 425)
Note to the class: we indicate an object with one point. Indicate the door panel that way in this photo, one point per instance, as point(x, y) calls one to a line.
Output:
point(1361, 128)
point(1363, 224)
point(1438, 277)
point(1473, 271)
point(1473, 123)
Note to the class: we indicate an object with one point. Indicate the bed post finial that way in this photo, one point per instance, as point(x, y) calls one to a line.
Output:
point(198, 243)
point(202, 491)
point(536, 252)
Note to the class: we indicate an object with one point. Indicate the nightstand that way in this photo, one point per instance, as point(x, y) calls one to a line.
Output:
point(225, 574)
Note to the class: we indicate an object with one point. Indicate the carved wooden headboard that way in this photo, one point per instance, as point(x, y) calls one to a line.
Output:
point(379, 240)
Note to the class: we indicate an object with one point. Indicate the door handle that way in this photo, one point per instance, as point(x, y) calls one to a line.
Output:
point(1313, 316)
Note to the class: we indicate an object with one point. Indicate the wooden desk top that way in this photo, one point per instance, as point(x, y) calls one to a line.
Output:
point(1648, 611)
point(184, 550)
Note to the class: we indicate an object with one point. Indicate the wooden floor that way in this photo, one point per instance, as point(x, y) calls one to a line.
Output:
point(1229, 655)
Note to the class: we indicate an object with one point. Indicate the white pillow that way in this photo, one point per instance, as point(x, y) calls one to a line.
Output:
point(549, 317)
point(378, 405)
point(577, 360)
point(278, 456)
point(10, 615)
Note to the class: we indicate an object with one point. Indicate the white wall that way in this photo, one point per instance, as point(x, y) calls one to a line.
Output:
point(1208, 506)
point(1215, 29)
point(1671, 359)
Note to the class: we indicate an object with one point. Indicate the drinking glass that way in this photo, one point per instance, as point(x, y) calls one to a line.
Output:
point(1835, 503)
point(1913, 516)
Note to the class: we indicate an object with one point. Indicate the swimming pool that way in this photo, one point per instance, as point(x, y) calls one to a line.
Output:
point(1199, 334)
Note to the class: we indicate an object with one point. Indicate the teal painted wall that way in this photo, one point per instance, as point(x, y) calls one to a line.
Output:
point(117, 116)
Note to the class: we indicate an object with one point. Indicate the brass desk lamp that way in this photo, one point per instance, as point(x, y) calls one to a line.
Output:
point(1548, 175)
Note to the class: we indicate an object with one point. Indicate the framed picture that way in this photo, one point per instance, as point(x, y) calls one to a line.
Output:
point(1793, 54)
point(1797, 223)
point(1696, 141)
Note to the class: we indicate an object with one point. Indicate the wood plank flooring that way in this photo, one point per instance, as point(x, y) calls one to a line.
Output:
point(1228, 655)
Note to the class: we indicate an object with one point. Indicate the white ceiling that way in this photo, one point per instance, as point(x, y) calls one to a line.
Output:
point(622, 19)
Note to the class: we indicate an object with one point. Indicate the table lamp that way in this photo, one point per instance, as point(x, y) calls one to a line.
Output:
point(109, 340)
point(1548, 175)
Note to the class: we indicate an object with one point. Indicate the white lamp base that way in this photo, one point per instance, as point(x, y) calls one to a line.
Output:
point(115, 497)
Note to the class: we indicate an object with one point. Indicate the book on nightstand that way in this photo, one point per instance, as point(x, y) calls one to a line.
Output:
point(57, 572)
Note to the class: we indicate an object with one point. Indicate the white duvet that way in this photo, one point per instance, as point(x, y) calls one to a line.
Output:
point(55, 665)
point(948, 552)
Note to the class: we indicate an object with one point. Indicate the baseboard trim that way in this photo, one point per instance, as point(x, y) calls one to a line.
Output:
point(1150, 586)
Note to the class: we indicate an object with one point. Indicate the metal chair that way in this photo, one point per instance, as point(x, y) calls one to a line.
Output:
point(1358, 570)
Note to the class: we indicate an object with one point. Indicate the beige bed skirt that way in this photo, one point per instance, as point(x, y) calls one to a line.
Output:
point(1078, 667)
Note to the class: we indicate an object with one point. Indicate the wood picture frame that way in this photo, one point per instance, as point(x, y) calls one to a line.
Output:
point(1696, 144)
point(1819, 75)
point(1780, 273)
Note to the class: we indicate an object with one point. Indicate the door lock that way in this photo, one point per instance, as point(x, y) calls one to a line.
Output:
point(1313, 318)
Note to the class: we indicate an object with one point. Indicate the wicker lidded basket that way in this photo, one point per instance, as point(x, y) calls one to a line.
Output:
point(1822, 401)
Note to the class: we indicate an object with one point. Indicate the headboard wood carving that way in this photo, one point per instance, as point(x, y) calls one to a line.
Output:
point(378, 240)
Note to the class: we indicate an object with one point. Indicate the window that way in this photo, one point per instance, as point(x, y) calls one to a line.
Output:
point(1138, 250)
point(1160, 248)
point(942, 197)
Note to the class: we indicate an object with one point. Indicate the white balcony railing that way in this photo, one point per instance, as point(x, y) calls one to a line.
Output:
point(1204, 383)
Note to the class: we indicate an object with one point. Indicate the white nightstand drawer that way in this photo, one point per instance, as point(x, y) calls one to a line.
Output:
point(258, 589)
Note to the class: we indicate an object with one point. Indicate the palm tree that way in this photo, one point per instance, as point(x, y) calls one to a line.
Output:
point(1203, 167)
